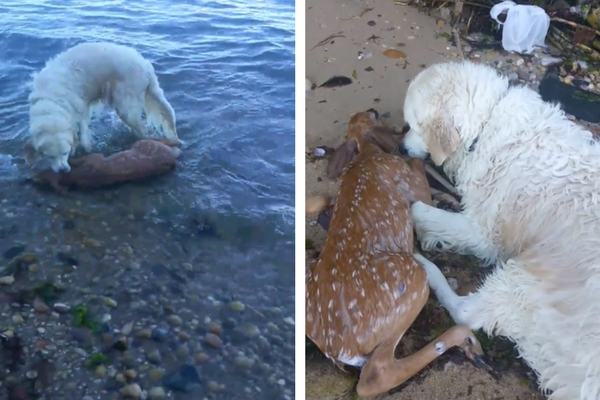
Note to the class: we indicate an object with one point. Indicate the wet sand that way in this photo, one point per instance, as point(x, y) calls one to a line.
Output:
point(364, 30)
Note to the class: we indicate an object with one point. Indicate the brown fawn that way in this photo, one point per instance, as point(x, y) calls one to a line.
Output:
point(366, 289)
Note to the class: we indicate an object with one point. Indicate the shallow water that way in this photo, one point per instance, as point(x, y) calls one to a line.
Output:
point(218, 229)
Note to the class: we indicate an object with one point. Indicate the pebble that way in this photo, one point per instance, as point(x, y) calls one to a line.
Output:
point(213, 340)
point(182, 351)
point(132, 391)
point(547, 61)
point(17, 319)
point(308, 85)
point(120, 344)
point(100, 371)
point(157, 393)
point(41, 330)
point(130, 374)
point(156, 374)
point(243, 362)
point(201, 358)
point(154, 356)
point(250, 330)
point(319, 152)
point(7, 280)
point(214, 386)
point(159, 334)
point(144, 333)
point(216, 328)
point(184, 379)
point(39, 306)
point(237, 306)
point(316, 203)
point(61, 308)
point(110, 302)
point(31, 374)
point(175, 320)
point(127, 328)
point(519, 62)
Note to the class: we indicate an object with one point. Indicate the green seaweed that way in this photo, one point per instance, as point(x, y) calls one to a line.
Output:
point(587, 96)
point(47, 291)
point(95, 360)
point(82, 317)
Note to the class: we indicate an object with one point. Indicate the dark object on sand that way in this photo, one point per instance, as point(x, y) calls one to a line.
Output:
point(324, 218)
point(580, 103)
point(336, 81)
point(146, 158)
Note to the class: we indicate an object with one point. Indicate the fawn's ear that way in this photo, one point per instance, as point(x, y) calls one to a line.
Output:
point(384, 137)
point(341, 157)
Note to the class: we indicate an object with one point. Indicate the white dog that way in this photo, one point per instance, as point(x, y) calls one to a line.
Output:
point(72, 82)
point(530, 186)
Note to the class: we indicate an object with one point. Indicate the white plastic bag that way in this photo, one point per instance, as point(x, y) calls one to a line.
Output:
point(525, 27)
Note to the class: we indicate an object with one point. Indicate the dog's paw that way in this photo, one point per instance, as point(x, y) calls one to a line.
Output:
point(426, 221)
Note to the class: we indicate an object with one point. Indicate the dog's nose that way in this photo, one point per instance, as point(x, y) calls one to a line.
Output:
point(401, 149)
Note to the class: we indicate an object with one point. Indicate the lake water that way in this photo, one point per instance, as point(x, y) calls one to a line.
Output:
point(156, 266)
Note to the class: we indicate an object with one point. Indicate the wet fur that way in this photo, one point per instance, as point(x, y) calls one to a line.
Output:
point(66, 88)
point(529, 183)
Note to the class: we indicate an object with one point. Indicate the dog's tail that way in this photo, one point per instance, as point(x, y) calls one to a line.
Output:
point(159, 112)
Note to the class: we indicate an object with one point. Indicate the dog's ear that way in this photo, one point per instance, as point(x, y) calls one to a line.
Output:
point(341, 157)
point(442, 140)
point(384, 137)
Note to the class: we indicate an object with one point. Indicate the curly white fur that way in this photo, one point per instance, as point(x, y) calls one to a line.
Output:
point(73, 81)
point(530, 191)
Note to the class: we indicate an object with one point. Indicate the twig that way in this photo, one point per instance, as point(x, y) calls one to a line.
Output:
point(442, 5)
point(327, 39)
point(458, 43)
point(469, 21)
point(363, 12)
point(440, 179)
point(575, 24)
point(593, 53)
point(256, 311)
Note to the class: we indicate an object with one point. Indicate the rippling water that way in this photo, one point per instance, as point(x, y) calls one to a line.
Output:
point(220, 228)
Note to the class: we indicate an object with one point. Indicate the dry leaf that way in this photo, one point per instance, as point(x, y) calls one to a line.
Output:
point(440, 23)
point(391, 53)
point(354, 75)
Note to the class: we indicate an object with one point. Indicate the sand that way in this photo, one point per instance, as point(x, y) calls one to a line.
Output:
point(368, 28)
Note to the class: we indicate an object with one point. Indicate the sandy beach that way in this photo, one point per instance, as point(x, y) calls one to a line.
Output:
point(348, 38)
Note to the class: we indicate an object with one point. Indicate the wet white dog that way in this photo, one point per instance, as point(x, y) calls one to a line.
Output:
point(64, 91)
point(530, 185)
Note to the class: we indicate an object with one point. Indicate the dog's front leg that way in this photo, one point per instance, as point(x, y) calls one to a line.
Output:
point(442, 230)
point(85, 136)
point(463, 309)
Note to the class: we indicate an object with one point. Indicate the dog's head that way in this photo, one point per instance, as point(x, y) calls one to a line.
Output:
point(446, 105)
point(49, 152)
point(364, 127)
